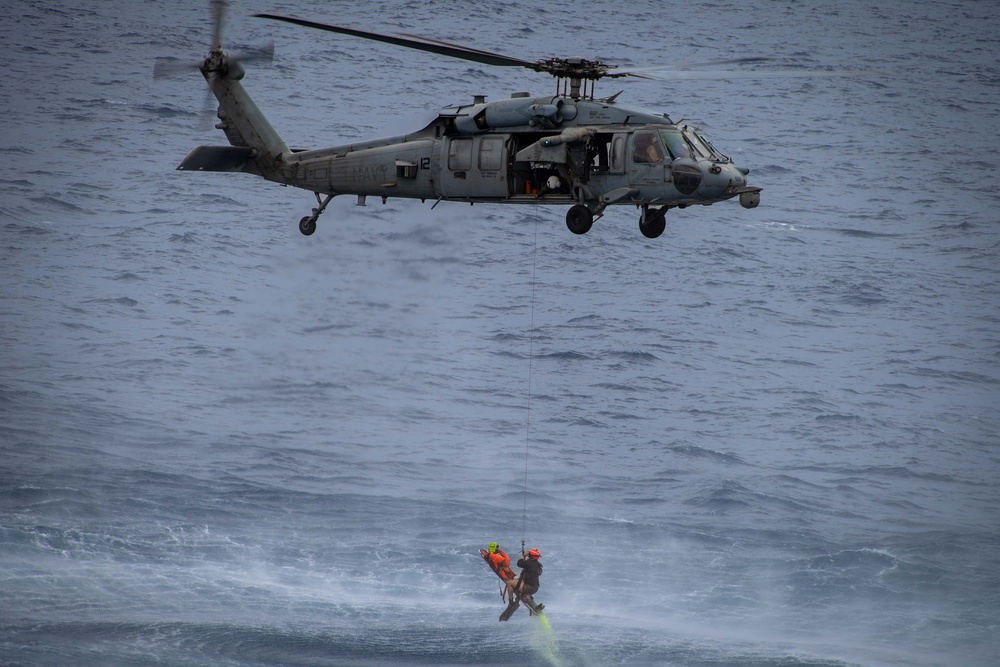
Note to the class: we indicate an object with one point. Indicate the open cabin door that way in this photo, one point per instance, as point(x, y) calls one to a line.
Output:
point(475, 167)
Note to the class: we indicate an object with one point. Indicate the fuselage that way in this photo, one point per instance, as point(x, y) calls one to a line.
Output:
point(589, 154)
point(528, 150)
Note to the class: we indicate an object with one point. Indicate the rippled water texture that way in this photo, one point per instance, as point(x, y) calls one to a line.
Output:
point(768, 437)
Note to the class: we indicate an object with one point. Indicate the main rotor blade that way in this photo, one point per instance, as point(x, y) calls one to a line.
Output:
point(679, 75)
point(413, 42)
point(683, 66)
point(494, 58)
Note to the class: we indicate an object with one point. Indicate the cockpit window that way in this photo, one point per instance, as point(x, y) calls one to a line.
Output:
point(690, 144)
point(715, 151)
point(675, 143)
point(696, 143)
point(647, 148)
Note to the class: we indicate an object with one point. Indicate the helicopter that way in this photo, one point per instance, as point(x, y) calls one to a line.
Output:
point(571, 148)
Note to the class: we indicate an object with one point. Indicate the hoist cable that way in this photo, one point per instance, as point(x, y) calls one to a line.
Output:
point(527, 420)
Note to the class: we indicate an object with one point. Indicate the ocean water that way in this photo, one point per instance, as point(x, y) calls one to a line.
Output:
point(769, 437)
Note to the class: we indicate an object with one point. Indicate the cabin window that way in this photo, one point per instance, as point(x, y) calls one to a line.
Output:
point(460, 154)
point(491, 154)
point(617, 161)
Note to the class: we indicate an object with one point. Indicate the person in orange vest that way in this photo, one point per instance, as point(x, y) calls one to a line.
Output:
point(500, 562)
point(531, 569)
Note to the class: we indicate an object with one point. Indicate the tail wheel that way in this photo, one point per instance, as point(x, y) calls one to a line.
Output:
point(579, 219)
point(653, 223)
point(307, 225)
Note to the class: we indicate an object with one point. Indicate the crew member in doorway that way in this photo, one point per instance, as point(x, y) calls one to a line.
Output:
point(531, 568)
point(552, 184)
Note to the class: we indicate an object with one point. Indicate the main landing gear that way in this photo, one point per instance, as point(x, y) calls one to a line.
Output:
point(307, 225)
point(579, 219)
point(652, 221)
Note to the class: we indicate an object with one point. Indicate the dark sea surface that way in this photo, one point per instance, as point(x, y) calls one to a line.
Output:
point(769, 437)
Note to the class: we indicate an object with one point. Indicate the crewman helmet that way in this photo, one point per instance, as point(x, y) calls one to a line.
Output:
point(535, 553)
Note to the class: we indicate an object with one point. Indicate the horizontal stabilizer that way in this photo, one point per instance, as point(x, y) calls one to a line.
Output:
point(217, 158)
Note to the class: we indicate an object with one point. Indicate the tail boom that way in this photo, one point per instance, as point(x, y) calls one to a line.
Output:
point(256, 147)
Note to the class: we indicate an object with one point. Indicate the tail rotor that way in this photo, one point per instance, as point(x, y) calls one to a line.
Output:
point(216, 63)
point(219, 10)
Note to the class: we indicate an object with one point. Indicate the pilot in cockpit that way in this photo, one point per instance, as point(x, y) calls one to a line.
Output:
point(647, 149)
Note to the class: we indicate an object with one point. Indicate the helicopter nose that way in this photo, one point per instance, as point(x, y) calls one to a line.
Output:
point(737, 177)
point(719, 178)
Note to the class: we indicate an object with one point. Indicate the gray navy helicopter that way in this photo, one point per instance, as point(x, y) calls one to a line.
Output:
point(570, 149)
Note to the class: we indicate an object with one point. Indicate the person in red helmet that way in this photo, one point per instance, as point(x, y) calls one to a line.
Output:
point(531, 568)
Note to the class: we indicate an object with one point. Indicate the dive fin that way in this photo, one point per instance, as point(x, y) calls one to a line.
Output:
point(534, 608)
point(509, 611)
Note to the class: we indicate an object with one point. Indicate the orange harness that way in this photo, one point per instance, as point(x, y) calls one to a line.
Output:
point(500, 563)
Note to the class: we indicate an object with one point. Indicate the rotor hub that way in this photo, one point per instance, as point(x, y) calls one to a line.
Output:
point(574, 68)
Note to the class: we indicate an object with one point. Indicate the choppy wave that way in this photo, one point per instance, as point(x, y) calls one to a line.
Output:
point(766, 437)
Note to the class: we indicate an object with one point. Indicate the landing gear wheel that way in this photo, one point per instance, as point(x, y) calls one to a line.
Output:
point(579, 219)
point(307, 225)
point(654, 222)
